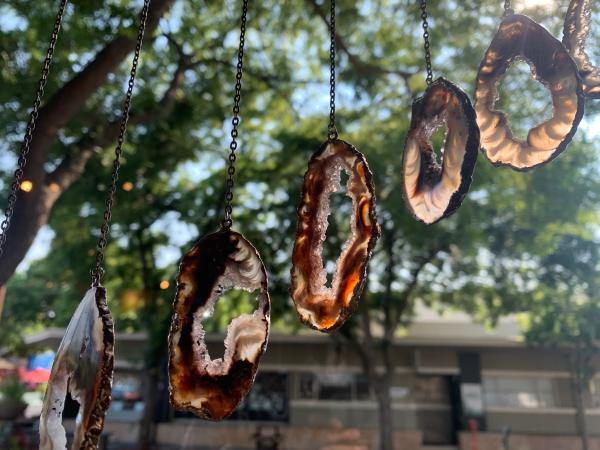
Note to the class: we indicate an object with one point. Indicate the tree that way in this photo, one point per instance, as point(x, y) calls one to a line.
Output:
point(62, 108)
point(563, 313)
point(489, 259)
point(575, 334)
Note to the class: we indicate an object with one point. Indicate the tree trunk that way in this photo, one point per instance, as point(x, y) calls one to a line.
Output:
point(33, 208)
point(147, 432)
point(30, 214)
point(580, 406)
point(2, 298)
point(579, 394)
point(384, 403)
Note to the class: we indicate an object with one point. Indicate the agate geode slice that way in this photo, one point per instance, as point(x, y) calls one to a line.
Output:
point(433, 191)
point(519, 37)
point(212, 388)
point(575, 33)
point(83, 366)
point(321, 307)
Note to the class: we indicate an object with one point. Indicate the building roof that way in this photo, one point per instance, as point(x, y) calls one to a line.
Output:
point(430, 328)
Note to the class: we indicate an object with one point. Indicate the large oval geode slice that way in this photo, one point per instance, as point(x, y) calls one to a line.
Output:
point(521, 37)
point(212, 388)
point(433, 191)
point(576, 31)
point(318, 306)
point(83, 366)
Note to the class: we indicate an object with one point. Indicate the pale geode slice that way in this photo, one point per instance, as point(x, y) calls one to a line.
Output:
point(575, 34)
point(318, 306)
point(83, 366)
point(431, 190)
point(212, 388)
point(519, 37)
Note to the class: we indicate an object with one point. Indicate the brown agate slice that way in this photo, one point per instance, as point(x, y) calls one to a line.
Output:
point(83, 366)
point(326, 308)
point(575, 33)
point(433, 191)
point(212, 388)
point(521, 37)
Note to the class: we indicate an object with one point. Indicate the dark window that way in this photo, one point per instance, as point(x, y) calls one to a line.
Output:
point(363, 388)
point(333, 386)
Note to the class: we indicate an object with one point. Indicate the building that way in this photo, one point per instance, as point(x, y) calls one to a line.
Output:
point(311, 392)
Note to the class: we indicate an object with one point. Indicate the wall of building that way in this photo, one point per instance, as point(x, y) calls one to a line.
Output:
point(493, 441)
point(194, 433)
point(525, 389)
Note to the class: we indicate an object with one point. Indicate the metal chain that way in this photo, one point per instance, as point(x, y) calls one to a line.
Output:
point(25, 146)
point(235, 121)
point(332, 132)
point(98, 270)
point(426, 45)
point(508, 8)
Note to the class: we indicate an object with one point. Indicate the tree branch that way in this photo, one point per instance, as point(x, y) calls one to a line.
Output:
point(166, 104)
point(361, 67)
point(364, 350)
point(33, 209)
point(271, 81)
point(69, 99)
point(70, 169)
point(388, 326)
point(410, 288)
point(73, 165)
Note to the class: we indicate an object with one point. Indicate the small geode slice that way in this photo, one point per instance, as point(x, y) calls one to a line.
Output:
point(83, 366)
point(433, 191)
point(327, 308)
point(519, 37)
point(575, 34)
point(212, 388)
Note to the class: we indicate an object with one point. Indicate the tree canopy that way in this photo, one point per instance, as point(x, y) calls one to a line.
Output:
point(521, 243)
point(489, 258)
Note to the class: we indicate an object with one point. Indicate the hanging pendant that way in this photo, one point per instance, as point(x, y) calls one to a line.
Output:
point(84, 363)
point(320, 307)
point(433, 191)
point(521, 37)
point(83, 366)
point(212, 388)
point(575, 33)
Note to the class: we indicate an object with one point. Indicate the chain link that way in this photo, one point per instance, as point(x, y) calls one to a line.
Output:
point(426, 45)
point(98, 270)
point(332, 132)
point(508, 8)
point(25, 146)
point(235, 121)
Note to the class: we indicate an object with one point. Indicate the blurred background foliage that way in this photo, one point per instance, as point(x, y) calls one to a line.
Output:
point(516, 237)
point(522, 243)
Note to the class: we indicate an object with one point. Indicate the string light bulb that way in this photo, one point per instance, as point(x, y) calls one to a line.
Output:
point(26, 186)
